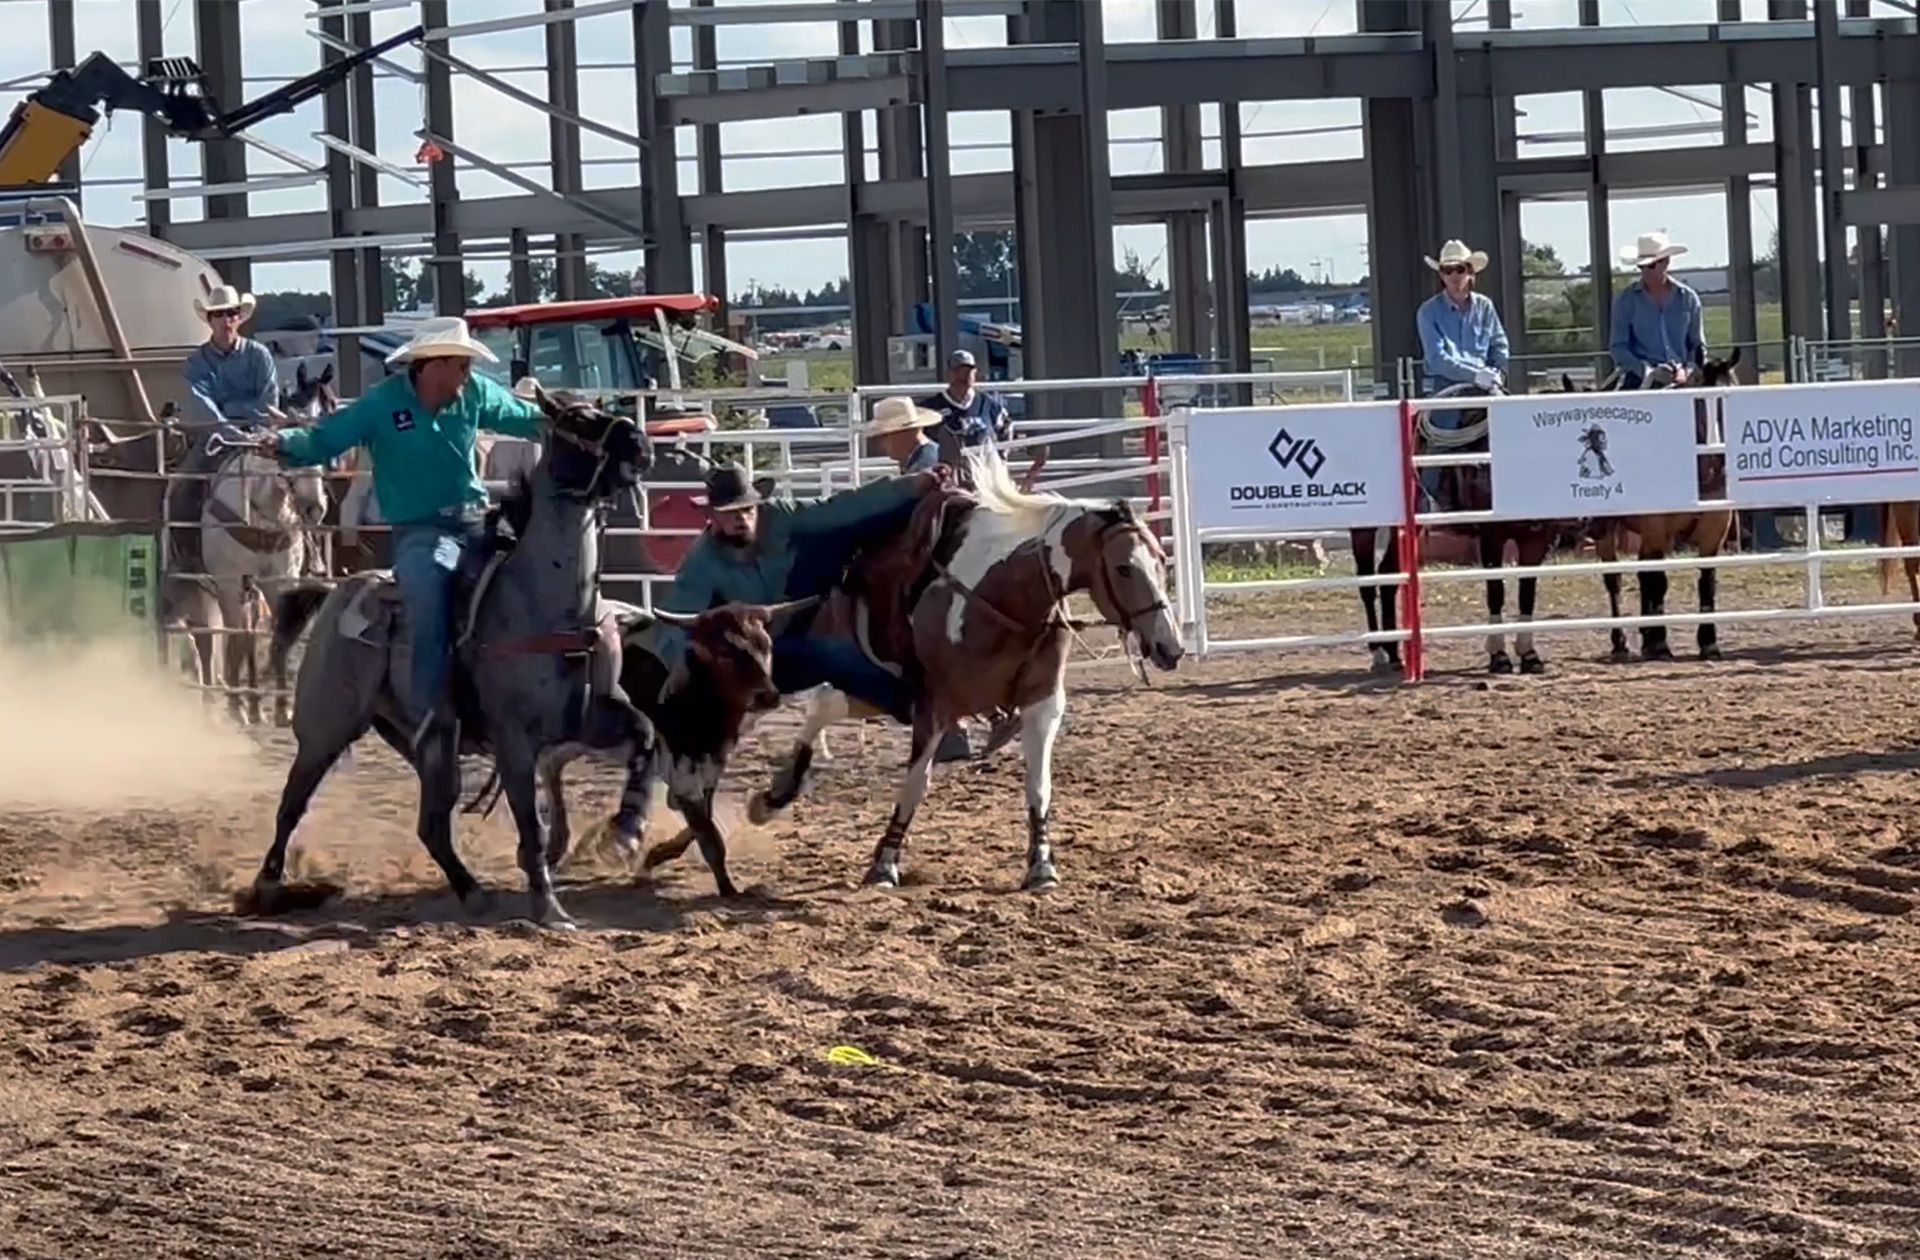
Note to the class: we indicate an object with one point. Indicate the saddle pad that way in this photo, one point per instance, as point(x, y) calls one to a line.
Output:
point(368, 617)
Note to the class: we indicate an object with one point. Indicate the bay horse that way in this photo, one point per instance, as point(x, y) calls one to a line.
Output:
point(974, 616)
point(1900, 527)
point(1470, 489)
point(1660, 535)
point(529, 636)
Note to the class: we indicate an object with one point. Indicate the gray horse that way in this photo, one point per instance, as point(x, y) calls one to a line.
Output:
point(527, 639)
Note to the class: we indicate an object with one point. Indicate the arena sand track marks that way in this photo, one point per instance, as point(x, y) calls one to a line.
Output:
point(1619, 962)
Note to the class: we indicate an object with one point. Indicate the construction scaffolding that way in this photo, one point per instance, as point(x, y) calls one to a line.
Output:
point(1436, 85)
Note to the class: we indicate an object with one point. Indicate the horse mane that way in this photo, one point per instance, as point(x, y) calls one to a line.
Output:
point(1000, 494)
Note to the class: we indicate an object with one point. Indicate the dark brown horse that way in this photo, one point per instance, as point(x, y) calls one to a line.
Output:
point(1660, 535)
point(1470, 489)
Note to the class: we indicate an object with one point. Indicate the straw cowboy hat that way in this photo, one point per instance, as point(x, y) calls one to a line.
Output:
point(225, 298)
point(442, 337)
point(898, 414)
point(1453, 253)
point(1651, 248)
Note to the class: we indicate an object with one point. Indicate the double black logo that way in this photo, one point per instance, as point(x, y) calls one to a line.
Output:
point(1302, 453)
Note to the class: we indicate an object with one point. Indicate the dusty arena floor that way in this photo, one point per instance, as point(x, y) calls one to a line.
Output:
point(1617, 962)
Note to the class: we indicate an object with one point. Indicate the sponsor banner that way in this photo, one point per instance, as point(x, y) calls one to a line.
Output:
point(1568, 456)
point(1295, 468)
point(1793, 445)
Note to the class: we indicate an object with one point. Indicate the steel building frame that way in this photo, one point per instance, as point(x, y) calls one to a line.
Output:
point(1439, 125)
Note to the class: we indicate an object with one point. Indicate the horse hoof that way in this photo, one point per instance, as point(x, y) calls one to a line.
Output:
point(1532, 664)
point(1041, 877)
point(1500, 664)
point(882, 875)
point(1710, 653)
point(1662, 653)
point(1620, 655)
point(477, 901)
point(761, 810)
point(548, 914)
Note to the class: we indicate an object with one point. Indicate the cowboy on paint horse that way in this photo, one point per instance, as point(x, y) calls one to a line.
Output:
point(230, 379)
point(766, 551)
point(1657, 324)
point(421, 428)
point(1462, 340)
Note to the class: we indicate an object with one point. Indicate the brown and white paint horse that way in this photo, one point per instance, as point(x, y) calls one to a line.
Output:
point(989, 631)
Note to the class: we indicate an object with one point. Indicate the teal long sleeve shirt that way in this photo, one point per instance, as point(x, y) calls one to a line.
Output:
point(423, 461)
point(802, 549)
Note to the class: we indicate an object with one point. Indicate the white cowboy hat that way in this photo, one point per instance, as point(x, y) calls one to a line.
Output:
point(225, 298)
point(441, 337)
point(1453, 253)
point(1651, 248)
point(898, 414)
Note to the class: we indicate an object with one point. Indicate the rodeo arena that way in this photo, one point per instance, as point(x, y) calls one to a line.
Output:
point(538, 748)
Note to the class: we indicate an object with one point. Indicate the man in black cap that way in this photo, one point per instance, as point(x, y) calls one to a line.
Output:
point(763, 551)
point(972, 417)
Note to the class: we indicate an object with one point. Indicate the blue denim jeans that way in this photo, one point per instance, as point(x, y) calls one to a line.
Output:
point(426, 559)
point(800, 663)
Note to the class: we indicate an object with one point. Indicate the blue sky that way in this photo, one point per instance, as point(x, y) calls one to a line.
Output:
point(278, 48)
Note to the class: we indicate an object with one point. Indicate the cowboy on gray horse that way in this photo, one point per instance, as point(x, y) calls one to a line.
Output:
point(1657, 325)
point(1463, 343)
point(420, 426)
point(230, 380)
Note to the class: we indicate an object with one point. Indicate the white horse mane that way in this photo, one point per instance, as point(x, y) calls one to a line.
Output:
point(1000, 494)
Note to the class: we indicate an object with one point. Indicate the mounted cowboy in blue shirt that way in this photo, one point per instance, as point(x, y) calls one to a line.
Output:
point(230, 380)
point(1463, 344)
point(1657, 325)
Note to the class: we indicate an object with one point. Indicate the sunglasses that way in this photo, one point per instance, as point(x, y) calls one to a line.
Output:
point(1455, 270)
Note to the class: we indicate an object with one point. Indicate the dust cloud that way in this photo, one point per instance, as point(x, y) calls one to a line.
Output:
point(104, 725)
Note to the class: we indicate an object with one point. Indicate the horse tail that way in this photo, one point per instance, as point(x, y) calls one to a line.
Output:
point(291, 614)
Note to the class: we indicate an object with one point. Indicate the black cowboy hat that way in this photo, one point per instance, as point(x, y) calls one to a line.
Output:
point(728, 490)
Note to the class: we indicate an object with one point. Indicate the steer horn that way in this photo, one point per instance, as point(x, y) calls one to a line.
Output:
point(783, 609)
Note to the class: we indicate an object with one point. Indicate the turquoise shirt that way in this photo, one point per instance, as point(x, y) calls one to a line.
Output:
point(802, 549)
point(422, 460)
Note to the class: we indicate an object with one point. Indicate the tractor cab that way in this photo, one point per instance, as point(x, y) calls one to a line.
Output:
point(614, 347)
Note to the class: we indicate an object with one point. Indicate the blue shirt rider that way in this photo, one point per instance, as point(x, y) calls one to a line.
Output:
point(229, 378)
point(1462, 341)
point(969, 416)
point(420, 427)
point(1657, 325)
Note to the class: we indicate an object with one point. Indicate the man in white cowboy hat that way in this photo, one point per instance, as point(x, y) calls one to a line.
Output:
point(420, 427)
point(1657, 328)
point(229, 379)
point(898, 430)
point(1462, 340)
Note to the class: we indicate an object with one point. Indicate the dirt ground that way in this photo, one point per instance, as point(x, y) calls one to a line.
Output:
point(1615, 962)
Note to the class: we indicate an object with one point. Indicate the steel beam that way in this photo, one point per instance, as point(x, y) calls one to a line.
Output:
point(712, 171)
point(1512, 285)
point(869, 287)
point(1833, 178)
point(1739, 192)
point(1794, 187)
point(1186, 228)
point(520, 288)
point(348, 310)
point(669, 252)
point(933, 114)
point(1871, 236)
point(61, 41)
point(151, 25)
point(563, 147)
point(1400, 214)
point(1599, 208)
point(449, 277)
point(366, 180)
point(217, 43)
point(898, 139)
point(1231, 301)
point(1903, 146)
